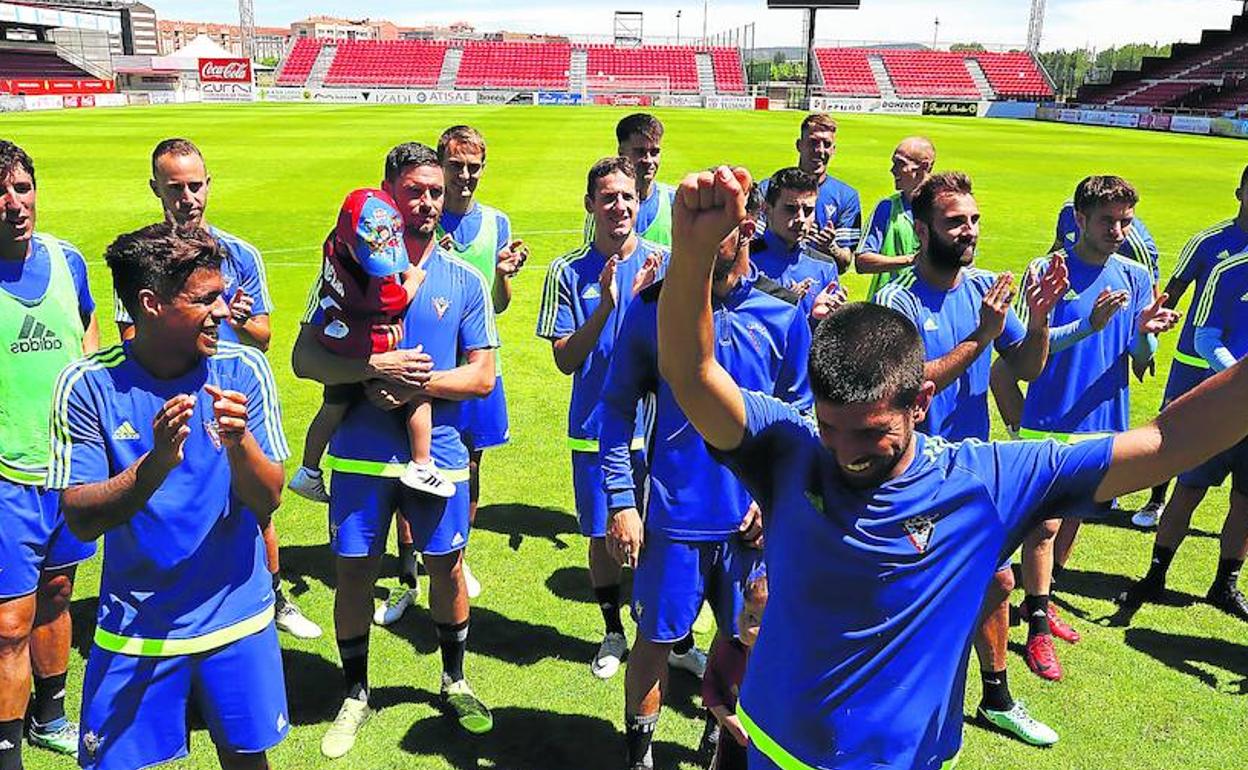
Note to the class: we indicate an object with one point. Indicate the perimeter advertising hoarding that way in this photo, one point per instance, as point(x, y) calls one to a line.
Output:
point(227, 80)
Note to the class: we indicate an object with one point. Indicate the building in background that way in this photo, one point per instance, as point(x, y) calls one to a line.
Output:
point(333, 28)
point(270, 42)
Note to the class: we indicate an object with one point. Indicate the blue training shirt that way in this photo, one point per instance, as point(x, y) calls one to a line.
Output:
point(1139, 245)
point(875, 593)
point(1199, 257)
point(1084, 388)
point(241, 265)
point(839, 205)
point(944, 319)
point(191, 562)
point(449, 317)
point(791, 267)
point(463, 228)
point(27, 280)
point(570, 296)
point(763, 341)
point(1222, 308)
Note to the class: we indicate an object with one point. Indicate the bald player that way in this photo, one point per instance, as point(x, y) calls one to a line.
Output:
point(890, 242)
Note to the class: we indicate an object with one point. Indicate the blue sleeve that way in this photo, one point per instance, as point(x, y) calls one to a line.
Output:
point(793, 382)
point(1062, 337)
point(892, 297)
point(631, 374)
point(477, 330)
point(1014, 332)
point(1210, 346)
point(78, 269)
point(873, 239)
point(1145, 247)
point(120, 314)
point(251, 277)
point(849, 222)
point(1030, 481)
point(1192, 261)
point(79, 455)
point(778, 441)
point(504, 232)
point(264, 409)
point(555, 319)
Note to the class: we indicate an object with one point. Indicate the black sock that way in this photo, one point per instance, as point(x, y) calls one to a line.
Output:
point(1036, 608)
point(996, 691)
point(278, 598)
point(609, 602)
point(453, 640)
point(49, 703)
point(354, 655)
point(684, 645)
point(1228, 573)
point(11, 745)
point(1158, 495)
point(407, 564)
point(638, 733)
point(1160, 564)
point(1058, 571)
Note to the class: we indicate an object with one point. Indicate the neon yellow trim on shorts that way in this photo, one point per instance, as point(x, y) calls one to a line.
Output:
point(1064, 438)
point(384, 470)
point(590, 445)
point(1196, 362)
point(786, 761)
point(167, 648)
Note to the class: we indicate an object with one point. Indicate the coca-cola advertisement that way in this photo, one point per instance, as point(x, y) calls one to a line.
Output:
point(226, 80)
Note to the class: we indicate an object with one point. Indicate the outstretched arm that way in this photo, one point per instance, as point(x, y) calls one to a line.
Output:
point(1208, 420)
point(708, 206)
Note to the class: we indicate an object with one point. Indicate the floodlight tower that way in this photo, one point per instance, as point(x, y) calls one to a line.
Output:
point(1035, 28)
point(247, 27)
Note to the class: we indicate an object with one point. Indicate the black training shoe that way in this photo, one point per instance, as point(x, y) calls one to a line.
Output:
point(1230, 600)
point(1141, 591)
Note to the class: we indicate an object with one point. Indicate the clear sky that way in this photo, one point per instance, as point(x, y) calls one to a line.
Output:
point(1069, 23)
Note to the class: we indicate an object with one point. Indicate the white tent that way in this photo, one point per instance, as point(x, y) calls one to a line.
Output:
point(187, 57)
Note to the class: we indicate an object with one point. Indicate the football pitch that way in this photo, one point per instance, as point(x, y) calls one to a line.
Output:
point(1164, 692)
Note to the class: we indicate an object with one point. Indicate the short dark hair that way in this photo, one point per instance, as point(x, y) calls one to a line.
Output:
point(605, 167)
point(1096, 191)
point(465, 135)
point(641, 123)
point(409, 154)
point(13, 157)
point(754, 200)
point(936, 185)
point(174, 146)
point(865, 353)
point(792, 178)
point(1243, 177)
point(159, 257)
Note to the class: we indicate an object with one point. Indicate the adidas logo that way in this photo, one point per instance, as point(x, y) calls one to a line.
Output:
point(458, 540)
point(591, 292)
point(1071, 296)
point(281, 722)
point(126, 432)
point(6, 745)
point(931, 325)
point(1244, 298)
point(35, 337)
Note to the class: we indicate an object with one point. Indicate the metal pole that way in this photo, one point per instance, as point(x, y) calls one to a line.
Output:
point(705, 3)
point(677, 27)
point(810, 58)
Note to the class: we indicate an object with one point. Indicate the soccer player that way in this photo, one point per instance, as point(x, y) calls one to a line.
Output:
point(961, 314)
point(181, 182)
point(1108, 319)
point(837, 224)
point(782, 253)
point(450, 321)
point(1198, 258)
point(700, 538)
point(583, 303)
point(639, 137)
point(47, 319)
point(890, 242)
point(881, 540)
point(170, 446)
point(1220, 323)
point(1137, 243)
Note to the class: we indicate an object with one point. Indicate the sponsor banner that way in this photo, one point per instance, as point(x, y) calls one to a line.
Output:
point(225, 70)
point(1046, 113)
point(956, 109)
point(1187, 124)
point(1016, 110)
point(35, 87)
point(227, 92)
point(901, 106)
point(111, 100)
point(12, 104)
point(678, 100)
point(829, 104)
point(44, 102)
point(1155, 122)
point(396, 96)
point(284, 95)
point(504, 97)
point(722, 102)
point(623, 100)
point(73, 101)
point(367, 96)
point(1232, 127)
point(1109, 118)
point(557, 97)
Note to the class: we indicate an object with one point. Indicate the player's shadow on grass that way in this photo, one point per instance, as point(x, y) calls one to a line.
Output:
point(314, 689)
point(572, 584)
point(518, 521)
point(1189, 654)
point(1122, 520)
point(518, 642)
point(1105, 587)
point(82, 613)
point(533, 739)
point(301, 563)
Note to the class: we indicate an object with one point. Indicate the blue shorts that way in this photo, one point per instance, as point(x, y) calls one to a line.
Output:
point(1211, 473)
point(134, 707)
point(589, 496)
point(674, 576)
point(361, 507)
point(35, 538)
point(483, 422)
point(1182, 379)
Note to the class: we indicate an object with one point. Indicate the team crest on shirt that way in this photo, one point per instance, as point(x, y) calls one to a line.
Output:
point(829, 211)
point(91, 742)
point(919, 531)
point(214, 433)
point(440, 306)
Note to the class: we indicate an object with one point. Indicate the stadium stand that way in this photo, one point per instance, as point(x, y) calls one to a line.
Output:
point(729, 73)
point(1204, 75)
point(297, 65)
point(919, 73)
point(489, 64)
point(676, 64)
point(411, 63)
point(25, 63)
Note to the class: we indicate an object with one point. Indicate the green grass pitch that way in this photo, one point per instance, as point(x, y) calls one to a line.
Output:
point(1163, 693)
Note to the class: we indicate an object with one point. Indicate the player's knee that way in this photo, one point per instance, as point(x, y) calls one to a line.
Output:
point(1003, 581)
point(448, 567)
point(1044, 531)
point(54, 596)
point(16, 620)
